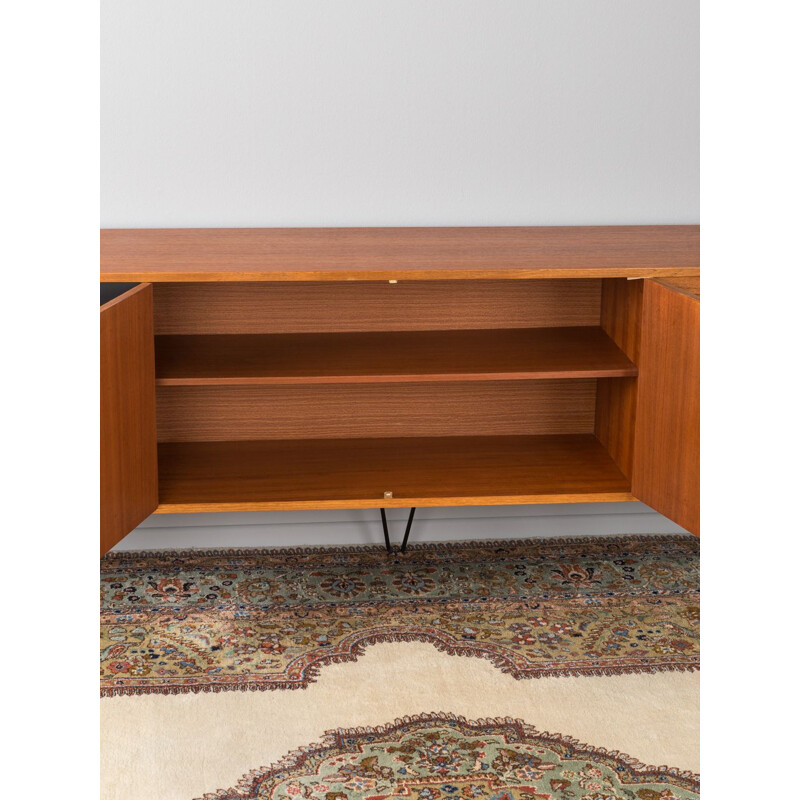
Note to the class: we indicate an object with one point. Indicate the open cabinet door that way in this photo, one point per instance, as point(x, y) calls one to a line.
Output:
point(128, 449)
point(666, 461)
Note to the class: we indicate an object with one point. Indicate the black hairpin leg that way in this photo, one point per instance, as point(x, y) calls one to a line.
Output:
point(385, 531)
point(408, 530)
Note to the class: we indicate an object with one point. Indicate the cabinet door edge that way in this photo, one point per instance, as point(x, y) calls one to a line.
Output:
point(128, 444)
point(666, 463)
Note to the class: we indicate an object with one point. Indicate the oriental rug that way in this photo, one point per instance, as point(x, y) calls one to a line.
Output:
point(256, 619)
point(596, 638)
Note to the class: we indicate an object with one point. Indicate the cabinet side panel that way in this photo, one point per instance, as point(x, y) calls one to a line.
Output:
point(128, 449)
point(620, 318)
point(666, 464)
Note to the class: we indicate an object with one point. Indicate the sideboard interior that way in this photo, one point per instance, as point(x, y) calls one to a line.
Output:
point(279, 395)
point(389, 393)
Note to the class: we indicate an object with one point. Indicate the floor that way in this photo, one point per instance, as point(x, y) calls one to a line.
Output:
point(193, 744)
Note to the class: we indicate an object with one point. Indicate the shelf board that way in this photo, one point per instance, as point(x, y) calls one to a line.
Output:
point(355, 473)
point(389, 357)
point(370, 254)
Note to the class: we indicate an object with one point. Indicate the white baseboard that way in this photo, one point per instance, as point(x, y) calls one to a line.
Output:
point(360, 527)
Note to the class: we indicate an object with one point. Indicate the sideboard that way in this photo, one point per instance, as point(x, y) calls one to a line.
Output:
point(290, 368)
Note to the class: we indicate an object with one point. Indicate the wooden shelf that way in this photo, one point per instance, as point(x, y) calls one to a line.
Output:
point(374, 254)
point(355, 473)
point(389, 357)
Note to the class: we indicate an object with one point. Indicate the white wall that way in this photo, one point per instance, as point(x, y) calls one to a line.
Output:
point(398, 112)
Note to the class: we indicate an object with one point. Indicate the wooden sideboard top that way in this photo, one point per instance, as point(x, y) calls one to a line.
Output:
point(371, 254)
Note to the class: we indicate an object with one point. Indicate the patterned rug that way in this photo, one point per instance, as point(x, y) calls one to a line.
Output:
point(190, 621)
point(443, 757)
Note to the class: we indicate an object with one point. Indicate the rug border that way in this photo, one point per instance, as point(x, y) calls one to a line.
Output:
point(356, 647)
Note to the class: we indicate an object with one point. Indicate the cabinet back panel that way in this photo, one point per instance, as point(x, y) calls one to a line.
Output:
point(238, 413)
point(199, 308)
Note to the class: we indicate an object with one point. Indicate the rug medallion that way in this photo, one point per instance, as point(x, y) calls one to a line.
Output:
point(443, 757)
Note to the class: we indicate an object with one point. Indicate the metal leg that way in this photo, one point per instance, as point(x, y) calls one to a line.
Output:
point(408, 530)
point(386, 531)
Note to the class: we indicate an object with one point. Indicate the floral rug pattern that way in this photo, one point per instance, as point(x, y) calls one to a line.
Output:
point(442, 757)
point(188, 621)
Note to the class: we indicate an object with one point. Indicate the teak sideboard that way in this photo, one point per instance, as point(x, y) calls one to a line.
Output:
point(266, 369)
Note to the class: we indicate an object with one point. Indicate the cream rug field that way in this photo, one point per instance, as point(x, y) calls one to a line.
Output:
point(534, 667)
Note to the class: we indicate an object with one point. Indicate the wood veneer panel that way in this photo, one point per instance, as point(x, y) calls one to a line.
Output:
point(621, 318)
point(355, 473)
point(621, 314)
point(666, 464)
point(334, 411)
point(341, 307)
point(318, 254)
point(616, 418)
point(388, 357)
point(128, 461)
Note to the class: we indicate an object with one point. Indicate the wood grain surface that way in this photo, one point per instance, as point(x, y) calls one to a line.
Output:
point(388, 357)
point(206, 308)
point(334, 411)
point(128, 461)
point(355, 473)
point(621, 318)
point(666, 464)
point(323, 254)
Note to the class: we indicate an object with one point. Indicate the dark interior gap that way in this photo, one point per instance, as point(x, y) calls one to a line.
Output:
point(108, 291)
